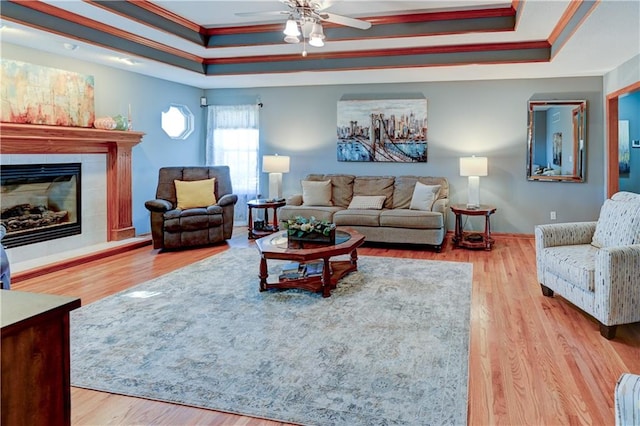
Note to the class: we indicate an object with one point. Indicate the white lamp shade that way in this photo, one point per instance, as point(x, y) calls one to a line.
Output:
point(473, 166)
point(275, 164)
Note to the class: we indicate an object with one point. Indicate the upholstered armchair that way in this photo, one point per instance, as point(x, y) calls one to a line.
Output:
point(194, 206)
point(595, 265)
point(627, 400)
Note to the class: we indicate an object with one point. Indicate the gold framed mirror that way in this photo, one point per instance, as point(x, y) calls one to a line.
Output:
point(556, 140)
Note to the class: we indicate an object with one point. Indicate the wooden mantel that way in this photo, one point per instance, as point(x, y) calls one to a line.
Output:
point(117, 145)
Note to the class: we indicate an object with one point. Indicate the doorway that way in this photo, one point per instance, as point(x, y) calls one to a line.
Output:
point(613, 116)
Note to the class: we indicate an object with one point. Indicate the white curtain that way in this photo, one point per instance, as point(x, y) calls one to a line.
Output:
point(233, 140)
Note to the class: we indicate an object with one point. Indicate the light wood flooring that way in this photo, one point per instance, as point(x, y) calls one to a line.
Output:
point(533, 360)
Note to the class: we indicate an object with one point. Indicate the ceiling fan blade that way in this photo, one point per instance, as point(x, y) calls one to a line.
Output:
point(345, 20)
point(319, 5)
point(265, 13)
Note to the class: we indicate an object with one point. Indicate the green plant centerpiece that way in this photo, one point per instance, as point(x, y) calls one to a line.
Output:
point(300, 228)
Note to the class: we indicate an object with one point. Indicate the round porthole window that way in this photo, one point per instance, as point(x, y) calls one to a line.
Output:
point(177, 121)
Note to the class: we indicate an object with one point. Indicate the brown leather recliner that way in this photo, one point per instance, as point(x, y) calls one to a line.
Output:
point(173, 228)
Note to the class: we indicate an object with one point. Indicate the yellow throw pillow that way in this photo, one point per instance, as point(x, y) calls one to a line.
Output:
point(195, 193)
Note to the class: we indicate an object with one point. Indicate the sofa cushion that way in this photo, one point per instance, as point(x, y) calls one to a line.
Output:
point(374, 202)
point(357, 217)
point(416, 219)
point(618, 224)
point(319, 212)
point(197, 193)
point(196, 220)
point(424, 196)
point(573, 263)
point(375, 185)
point(405, 185)
point(341, 187)
point(316, 193)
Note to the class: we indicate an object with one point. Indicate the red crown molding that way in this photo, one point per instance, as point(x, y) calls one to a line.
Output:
point(564, 20)
point(81, 20)
point(385, 52)
point(164, 13)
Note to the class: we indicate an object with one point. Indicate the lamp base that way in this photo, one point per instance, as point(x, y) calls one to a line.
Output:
point(275, 186)
point(473, 192)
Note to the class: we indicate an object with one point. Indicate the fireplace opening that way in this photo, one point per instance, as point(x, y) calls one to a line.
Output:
point(39, 202)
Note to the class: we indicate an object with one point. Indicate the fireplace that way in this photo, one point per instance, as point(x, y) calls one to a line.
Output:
point(40, 202)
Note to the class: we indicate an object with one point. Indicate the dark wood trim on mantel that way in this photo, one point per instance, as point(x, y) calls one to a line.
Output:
point(117, 145)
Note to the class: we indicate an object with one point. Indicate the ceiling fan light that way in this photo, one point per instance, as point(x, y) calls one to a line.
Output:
point(292, 39)
point(317, 31)
point(291, 28)
point(316, 41)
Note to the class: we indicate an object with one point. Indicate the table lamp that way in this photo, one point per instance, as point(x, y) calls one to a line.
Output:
point(473, 167)
point(275, 165)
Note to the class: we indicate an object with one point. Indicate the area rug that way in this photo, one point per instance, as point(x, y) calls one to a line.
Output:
point(389, 347)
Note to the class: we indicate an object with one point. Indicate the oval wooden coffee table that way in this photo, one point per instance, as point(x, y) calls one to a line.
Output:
point(276, 246)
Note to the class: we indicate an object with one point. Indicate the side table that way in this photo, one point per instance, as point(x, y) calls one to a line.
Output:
point(470, 239)
point(266, 229)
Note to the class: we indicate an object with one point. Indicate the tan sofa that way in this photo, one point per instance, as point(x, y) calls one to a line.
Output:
point(397, 221)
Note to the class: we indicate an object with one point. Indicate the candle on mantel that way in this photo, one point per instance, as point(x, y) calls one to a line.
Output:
point(129, 119)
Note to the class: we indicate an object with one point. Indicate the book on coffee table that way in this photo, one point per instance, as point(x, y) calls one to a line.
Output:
point(292, 271)
point(315, 268)
point(290, 267)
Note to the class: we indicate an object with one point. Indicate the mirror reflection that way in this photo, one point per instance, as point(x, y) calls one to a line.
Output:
point(556, 140)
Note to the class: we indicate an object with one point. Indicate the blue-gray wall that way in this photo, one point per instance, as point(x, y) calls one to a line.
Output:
point(485, 118)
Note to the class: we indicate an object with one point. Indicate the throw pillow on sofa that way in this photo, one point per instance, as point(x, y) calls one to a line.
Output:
point(195, 193)
point(316, 193)
point(372, 202)
point(424, 196)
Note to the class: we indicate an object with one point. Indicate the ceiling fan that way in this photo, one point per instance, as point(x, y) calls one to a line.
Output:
point(304, 19)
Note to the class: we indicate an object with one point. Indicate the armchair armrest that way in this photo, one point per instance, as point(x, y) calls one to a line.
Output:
point(227, 199)
point(294, 200)
point(617, 284)
point(159, 206)
point(564, 234)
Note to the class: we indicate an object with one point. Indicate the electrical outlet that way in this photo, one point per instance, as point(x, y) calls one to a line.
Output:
point(553, 215)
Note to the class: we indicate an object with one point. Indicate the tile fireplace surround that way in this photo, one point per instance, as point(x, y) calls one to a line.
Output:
point(106, 172)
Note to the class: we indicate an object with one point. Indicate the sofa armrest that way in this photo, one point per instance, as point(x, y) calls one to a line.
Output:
point(564, 234)
point(617, 284)
point(441, 205)
point(159, 206)
point(294, 200)
point(227, 200)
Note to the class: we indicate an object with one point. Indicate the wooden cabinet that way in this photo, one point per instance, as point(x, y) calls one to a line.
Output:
point(35, 358)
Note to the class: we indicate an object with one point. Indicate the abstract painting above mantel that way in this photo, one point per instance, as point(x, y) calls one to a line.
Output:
point(389, 130)
point(34, 94)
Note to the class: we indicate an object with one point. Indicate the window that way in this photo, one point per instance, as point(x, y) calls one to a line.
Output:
point(233, 139)
point(177, 121)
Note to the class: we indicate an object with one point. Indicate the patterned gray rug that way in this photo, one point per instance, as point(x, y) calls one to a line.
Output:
point(389, 347)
